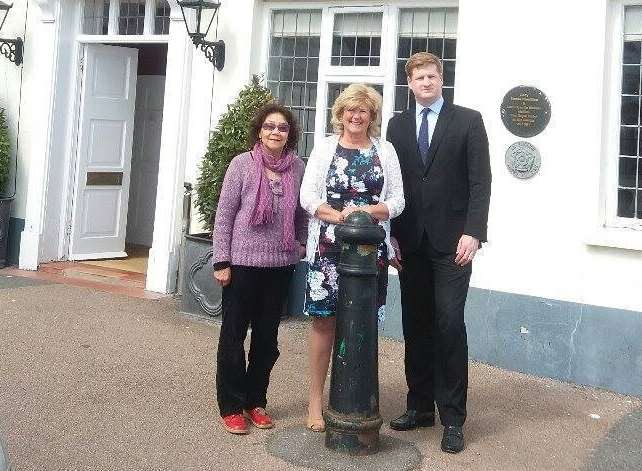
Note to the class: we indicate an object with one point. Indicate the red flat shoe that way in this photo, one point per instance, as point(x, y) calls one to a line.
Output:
point(259, 418)
point(235, 423)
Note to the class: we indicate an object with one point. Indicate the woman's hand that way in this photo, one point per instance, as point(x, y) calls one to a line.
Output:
point(328, 214)
point(351, 209)
point(223, 276)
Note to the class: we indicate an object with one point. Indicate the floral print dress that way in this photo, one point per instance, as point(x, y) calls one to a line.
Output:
point(355, 178)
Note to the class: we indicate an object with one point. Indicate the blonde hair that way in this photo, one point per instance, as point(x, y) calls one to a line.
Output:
point(422, 59)
point(358, 94)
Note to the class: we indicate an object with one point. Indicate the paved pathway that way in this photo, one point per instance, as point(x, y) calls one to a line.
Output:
point(93, 380)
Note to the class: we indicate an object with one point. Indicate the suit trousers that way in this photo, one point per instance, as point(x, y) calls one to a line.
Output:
point(433, 296)
point(255, 298)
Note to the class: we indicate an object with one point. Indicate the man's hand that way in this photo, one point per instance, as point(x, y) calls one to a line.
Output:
point(396, 262)
point(466, 250)
point(302, 251)
point(223, 276)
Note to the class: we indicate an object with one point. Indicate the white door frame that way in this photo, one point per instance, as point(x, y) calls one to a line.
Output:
point(162, 265)
point(163, 258)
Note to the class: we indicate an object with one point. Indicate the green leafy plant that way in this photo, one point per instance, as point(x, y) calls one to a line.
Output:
point(5, 150)
point(226, 141)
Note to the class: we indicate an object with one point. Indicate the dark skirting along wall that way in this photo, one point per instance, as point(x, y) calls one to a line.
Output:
point(16, 226)
point(572, 342)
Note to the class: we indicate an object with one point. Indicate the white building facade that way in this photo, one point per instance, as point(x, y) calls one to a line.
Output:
point(555, 291)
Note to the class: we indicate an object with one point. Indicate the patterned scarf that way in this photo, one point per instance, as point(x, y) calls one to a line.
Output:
point(263, 206)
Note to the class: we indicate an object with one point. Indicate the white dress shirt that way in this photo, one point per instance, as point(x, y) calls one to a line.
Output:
point(435, 109)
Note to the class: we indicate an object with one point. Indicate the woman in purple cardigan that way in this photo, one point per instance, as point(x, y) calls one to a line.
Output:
point(259, 235)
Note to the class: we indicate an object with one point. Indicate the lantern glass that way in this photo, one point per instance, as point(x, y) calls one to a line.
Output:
point(196, 23)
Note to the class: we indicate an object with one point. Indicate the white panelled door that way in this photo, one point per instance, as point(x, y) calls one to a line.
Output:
point(106, 129)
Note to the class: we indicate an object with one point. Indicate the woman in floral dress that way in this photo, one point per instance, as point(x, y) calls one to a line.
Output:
point(350, 170)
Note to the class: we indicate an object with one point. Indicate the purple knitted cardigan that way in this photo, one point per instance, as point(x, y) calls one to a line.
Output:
point(236, 241)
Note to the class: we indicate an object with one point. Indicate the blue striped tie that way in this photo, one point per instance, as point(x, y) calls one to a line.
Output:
point(422, 140)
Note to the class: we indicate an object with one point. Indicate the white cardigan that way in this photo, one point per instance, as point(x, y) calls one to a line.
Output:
point(313, 187)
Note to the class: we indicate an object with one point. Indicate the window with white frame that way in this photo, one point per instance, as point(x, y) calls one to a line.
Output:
point(425, 30)
point(355, 45)
point(629, 180)
point(293, 67)
point(96, 17)
point(126, 17)
point(356, 39)
point(161, 17)
point(131, 18)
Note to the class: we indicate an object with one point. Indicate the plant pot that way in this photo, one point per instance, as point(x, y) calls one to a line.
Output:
point(200, 294)
point(5, 215)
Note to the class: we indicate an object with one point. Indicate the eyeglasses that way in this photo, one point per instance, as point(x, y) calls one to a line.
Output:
point(281, 127)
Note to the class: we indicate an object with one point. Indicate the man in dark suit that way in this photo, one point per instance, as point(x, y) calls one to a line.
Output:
point(445, 164)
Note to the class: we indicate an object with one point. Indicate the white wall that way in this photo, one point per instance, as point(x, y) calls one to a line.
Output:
point(538, 227)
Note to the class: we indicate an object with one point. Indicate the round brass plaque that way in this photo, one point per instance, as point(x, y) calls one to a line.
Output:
point(525, 111)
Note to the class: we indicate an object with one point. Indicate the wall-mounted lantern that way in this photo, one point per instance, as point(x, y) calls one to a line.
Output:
point(197, 30)
point(10, 48)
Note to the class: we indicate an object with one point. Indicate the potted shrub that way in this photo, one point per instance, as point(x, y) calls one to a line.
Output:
point(5, 201)
point(229, 138)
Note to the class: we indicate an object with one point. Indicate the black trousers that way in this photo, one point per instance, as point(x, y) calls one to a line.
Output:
point(254, 298)
point(433, 296)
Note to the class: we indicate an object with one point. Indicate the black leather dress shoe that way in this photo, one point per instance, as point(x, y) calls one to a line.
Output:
point(453, 439)
point(411, 419)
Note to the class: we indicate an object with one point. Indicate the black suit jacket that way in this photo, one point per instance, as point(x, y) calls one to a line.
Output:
point(450, 195)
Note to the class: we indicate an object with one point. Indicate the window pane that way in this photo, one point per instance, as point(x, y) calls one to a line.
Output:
point(626, 203)
point(631, 52)
point(630, 110)
point(300, 69)
point(287, 69)
point(449, 73)
point(402, 96)
point(425, 30)
point(628, 140)
point(301, 47)
point(403, 48)
point(401, 72)
point(449, 94)
point(293, 67)
point(450, 48)
point(288, 46)
point(275, 46)
point(132, 17)
point(633, 20)
point(96, 17)
point(436, 46)
point(161, 18)
point(631, 80)
point(315, 42)
point(310, 96)
point(628, 172)
point(356, 39)
point(419, 45)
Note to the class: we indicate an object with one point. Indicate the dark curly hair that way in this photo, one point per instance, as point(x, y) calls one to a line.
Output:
point(259, 119)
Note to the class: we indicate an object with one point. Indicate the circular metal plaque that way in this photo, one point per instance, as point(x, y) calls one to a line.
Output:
point(523, 159)
point(525, 111)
